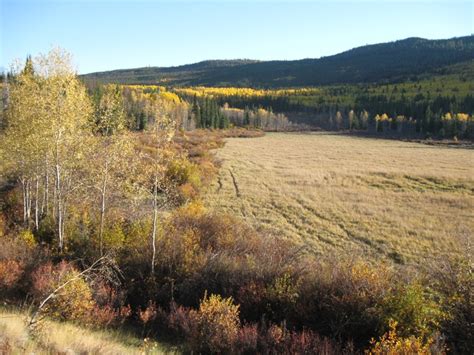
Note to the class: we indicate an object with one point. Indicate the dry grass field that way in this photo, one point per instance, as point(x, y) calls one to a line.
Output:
point(405, 201)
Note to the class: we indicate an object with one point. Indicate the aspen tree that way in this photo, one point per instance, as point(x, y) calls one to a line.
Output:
point(111, 159)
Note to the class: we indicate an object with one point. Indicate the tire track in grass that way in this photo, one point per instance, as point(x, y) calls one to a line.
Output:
point(236, 186)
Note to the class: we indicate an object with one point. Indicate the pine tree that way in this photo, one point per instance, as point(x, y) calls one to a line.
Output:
point(196, 110)
point(246, 117)
point(28, 70)
point(428, 121)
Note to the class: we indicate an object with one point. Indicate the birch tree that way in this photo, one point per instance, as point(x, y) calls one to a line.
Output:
point(111, 160)
point(24, 146)
point(155, 160)
point(68, 111)
point(47, 129)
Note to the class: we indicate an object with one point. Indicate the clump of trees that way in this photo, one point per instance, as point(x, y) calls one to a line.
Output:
point(72, 154)
point(256, 118)
point(207, 114)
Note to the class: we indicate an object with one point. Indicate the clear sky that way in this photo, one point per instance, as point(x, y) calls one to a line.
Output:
point(113, 34)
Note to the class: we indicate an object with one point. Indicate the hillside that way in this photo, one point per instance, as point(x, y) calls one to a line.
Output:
point(393, 61)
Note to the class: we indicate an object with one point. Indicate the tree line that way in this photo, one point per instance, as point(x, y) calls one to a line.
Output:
point(410, 108)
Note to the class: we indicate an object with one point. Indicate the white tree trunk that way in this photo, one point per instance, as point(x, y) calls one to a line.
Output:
point(25, 203)
point(28, 203)
point(59, 207)
point(37, 204)
point(155, 221)
point(102, 213)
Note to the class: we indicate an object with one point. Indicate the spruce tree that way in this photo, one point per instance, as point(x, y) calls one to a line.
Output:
point(28, 70)
point(246, 117)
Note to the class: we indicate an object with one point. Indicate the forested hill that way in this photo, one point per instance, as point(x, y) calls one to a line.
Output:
point(394, 61)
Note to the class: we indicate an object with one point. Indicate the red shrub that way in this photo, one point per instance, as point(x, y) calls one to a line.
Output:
point(148, 314)
point(104, 316)
point(247, 339)
point(10, 273)
point(124, 313)
point(47, 276)
point(107, 315)
point(180, 321)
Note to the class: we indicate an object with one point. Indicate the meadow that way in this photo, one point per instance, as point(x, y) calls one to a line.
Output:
point(392, 199)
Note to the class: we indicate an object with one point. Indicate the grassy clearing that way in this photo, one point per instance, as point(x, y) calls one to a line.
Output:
point(405, 201)
point(64, 338)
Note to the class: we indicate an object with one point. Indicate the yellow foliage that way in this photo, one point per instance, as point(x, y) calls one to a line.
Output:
point(372, 277)
point(74, 301)
point(28, 238)
point(447, 117)
point(169, 96)
point(391, 344)
point(201, 91)
point(114, 236)
point(464, 117)
point(218, 324)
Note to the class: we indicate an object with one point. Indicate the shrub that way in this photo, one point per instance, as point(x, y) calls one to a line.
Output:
point(217, 325)
point(182, 171)
point(180, 321)
point(73, 302)
point(414, 308)
point(10, 273)
point(454, 279)
point(392, 344)
point(277, 339)
point(282, 296)
point(3, 225)
point(28, 238)
point(114, 236)
point(247, 339)
point(149, 314)
point(340, 298)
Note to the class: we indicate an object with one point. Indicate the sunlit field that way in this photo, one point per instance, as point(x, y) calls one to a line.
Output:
point(404, 201)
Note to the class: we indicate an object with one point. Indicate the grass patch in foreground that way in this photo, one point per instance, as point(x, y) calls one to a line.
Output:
point(58, 338)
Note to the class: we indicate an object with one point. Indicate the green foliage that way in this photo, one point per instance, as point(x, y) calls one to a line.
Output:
point(415, 309)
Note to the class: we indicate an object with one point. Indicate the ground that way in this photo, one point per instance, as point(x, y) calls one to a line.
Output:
point(53, 337)
point(404, 201)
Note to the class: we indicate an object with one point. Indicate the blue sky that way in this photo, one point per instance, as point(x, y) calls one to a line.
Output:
point(113, 34)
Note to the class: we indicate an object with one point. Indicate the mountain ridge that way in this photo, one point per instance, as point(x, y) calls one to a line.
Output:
point(388, 61)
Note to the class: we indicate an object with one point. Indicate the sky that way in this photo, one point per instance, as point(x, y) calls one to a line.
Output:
point(113, 34)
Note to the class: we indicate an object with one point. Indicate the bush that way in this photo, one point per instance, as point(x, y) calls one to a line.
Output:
point(216, 325)
point(73, 302)
point(10, 273)
point(340, 298)
point(247, 339)
point(416, 311)
point(186, 176)
point(454, 279)
point(279, 340)
point(392, 344)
